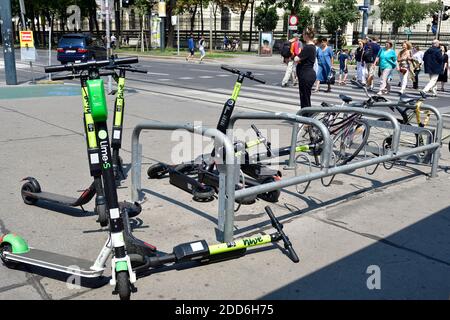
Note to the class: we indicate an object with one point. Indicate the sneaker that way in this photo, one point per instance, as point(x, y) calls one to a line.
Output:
point(284, 85)
point(423, 94)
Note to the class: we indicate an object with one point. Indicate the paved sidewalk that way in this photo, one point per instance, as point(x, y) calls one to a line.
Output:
point(397, 220)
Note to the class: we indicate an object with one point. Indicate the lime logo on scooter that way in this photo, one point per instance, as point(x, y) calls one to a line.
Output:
point(103, 135)
point(252, 241)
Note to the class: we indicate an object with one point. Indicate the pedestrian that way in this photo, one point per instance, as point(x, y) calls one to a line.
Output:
point(305, 68)
point(404, 59)
point(443, 76)
point(417, 63)
point(201, 48)
point(387, 61)
point(290, 60)
point(325, 62)
point(343, 68)
point(113, 41)
point(371, 50)
point(359, 62)
point(191, 47)
point(225, 42)
point(433, 62)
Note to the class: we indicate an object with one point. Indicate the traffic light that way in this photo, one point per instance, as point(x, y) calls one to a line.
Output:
point(127, 3)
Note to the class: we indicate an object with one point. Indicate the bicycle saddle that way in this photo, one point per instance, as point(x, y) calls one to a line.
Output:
point(406, 99)
point(345, 98)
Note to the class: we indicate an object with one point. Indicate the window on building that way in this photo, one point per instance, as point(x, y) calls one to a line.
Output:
point(225, 18)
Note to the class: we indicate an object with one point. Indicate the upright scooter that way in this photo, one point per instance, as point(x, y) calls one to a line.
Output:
point(14, 249)
point(202, 180)
point(31, 190)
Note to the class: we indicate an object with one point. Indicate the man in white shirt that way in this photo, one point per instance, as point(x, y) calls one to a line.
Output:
point(417, 65)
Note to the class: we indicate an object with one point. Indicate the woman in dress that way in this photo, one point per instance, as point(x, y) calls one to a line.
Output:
point(324, 64)
point(305, 68)
point(404, 59)
point(444, 75)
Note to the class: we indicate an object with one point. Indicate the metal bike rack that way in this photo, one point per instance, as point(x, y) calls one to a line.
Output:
point(368, 112)
point(227, 180)
point(437, 132)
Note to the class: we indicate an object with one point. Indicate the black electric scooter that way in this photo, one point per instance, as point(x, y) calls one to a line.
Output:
point(202, 180)
point(120, 244)
point(31, 190)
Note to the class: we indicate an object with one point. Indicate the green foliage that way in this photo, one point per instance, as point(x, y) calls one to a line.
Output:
point(266, 16)
point(338, 13)
point(406, 12)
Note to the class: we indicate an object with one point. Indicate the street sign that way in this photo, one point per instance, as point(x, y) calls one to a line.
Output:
point(293, 21)
point(162, 9)
point(408, 31)
point(292, 27)
point(363, 8)
point(26, 39)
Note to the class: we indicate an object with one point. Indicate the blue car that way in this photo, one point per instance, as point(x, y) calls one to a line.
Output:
point(79, 47)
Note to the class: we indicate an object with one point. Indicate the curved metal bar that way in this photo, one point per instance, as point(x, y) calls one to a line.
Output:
point(328, 146)
point(226, 220)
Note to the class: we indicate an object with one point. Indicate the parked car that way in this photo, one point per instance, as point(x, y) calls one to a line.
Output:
point(79, 47)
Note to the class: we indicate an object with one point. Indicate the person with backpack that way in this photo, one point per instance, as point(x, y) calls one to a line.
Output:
point(371, 50)
point(201, 48)
point(289, 52)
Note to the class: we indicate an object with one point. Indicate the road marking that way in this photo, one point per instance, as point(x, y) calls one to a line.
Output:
point(158, 74)
point(165, 79)
point(185, 78)
point(222, 75)
point(205, 77)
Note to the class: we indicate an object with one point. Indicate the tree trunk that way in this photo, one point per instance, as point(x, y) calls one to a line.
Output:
point(201, 15)
point(251, 26)
point(170, 27)
point(193, 18)
point(241, 26)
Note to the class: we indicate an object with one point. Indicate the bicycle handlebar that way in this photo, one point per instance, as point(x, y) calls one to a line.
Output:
point(247, 74)
point(90, 64)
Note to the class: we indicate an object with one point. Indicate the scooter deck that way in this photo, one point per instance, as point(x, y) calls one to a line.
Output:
point(52, 197)
point(57, 262)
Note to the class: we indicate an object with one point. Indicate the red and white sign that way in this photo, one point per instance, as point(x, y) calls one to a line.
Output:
point(293, 20)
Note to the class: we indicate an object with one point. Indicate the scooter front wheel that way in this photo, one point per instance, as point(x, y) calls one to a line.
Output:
point(102, 212)
point(8, 263)
point(123, 285)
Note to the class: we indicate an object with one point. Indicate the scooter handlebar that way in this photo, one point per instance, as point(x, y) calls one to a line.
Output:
point(89, 64)
point(244, 74)
point(77, 76)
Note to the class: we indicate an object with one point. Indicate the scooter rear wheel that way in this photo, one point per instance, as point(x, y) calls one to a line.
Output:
point(123, 286)
point(30, 187)
point(271, 196)
point(203, 195)
point(157, 171)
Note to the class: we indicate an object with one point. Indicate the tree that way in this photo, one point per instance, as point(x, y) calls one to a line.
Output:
point(336, 14)
point(405, 12)
point(266, 16)
point(240, 7)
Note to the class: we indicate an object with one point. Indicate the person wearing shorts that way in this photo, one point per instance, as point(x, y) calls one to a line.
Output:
point(343, 69)
point(201, 48)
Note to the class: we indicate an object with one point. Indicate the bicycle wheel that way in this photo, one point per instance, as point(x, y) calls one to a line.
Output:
point(350, 141)
point(308, 134)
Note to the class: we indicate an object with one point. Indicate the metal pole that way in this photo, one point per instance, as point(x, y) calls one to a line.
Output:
point(210, 28)
point(365, 24)
point(108, 42)
point(439, 21)
point(22, 14)
point(8, 42)
point(178, 34)
point(50, 47)
point(162, 34)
